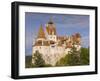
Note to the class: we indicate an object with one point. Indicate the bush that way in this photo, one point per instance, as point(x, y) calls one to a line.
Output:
point(84, 56)
point(38, 60)
point(63, 61)
point(28, 61)
point(74, 57)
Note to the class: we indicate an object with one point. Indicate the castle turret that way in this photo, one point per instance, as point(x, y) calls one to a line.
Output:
point(51, 31)
point(41, 44)
point(41, 33)
point(50, 27)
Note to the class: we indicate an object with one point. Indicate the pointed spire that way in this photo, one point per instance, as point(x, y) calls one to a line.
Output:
point(50, 27)
point(41, 33)
point(50, 21)
point(78, 35)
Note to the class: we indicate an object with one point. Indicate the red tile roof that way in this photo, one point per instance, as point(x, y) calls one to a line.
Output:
point(50, 28)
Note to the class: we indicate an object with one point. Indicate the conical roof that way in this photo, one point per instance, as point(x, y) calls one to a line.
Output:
point(50, 27)
point(78, 35)
point(41, 33)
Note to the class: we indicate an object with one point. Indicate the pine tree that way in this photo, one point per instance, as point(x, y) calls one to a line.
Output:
point(38, 60)
point(73, 57)
point(84, 56)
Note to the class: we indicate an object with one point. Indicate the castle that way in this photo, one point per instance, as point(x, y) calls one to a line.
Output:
point(54, 47)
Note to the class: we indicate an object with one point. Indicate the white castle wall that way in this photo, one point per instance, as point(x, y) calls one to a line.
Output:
point(52, 37)
point(50, 54)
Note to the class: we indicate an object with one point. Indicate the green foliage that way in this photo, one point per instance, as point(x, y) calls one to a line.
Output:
point(47, 65)
point(73, 57)
point(84, 56)
point(28, 61)
point(62, 61)
point(38, 60)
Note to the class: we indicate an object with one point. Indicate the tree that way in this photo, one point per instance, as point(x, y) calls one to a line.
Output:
point(38, 60)
point(62, 61)
point(28, 61)
point(73, 57)
point(84, 56)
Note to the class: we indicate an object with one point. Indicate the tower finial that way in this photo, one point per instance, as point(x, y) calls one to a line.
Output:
point(51, 20)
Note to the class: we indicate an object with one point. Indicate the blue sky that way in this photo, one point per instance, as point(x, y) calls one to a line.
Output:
point(66, 24)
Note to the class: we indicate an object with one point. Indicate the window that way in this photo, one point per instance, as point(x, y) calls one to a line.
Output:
point(52, 46)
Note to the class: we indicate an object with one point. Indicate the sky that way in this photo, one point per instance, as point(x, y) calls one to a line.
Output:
point(66, 25)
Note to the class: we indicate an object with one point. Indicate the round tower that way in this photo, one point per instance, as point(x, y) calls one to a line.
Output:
point(51, 31)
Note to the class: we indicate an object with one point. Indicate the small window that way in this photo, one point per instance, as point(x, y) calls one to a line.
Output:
point(52, 46)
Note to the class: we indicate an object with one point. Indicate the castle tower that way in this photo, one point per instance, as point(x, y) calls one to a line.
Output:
point(41, 45)
point(41, 34)
point(77, 41)
point(51, 31)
